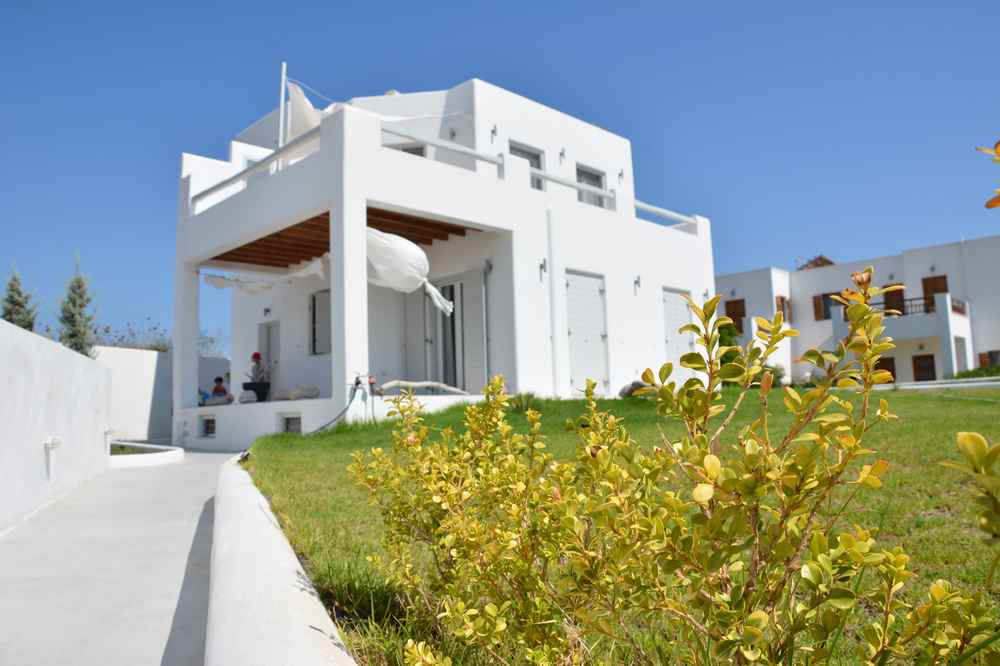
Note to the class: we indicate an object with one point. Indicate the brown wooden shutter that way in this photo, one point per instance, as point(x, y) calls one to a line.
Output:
point(895, 300)
point(784, 306)
point(736, 310)
point(818, 307)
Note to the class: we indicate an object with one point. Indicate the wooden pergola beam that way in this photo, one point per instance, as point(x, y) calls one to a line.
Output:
point(310, 238)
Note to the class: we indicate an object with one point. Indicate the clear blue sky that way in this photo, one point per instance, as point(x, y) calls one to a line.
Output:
point(797, 128)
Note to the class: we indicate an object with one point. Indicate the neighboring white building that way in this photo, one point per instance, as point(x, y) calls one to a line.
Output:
point(528, 218)
point(950, 306)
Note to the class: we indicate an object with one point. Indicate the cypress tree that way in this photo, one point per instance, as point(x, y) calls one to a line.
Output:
point(17, 306)
point(76, 324)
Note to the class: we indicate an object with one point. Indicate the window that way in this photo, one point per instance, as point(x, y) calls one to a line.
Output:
point(586, 176)
point(737, 311)
point(207, 426)
point(293, 424)
point(319, 308)
point(823, 305)
point(784, 306)
point(534, 158)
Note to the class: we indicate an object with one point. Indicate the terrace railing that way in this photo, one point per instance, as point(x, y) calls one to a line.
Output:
point(298, 148)
point(664, 213)
point(446, 145)
point(922, 305)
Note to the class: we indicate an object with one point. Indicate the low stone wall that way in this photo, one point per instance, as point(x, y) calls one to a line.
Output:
point(263, 609)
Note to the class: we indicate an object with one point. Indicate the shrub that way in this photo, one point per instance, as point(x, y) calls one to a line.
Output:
point(522, 403)
point(988, 371)
point(713, 548)
point(980, 458)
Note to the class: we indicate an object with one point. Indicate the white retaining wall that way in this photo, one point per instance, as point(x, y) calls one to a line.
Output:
point(54, 395)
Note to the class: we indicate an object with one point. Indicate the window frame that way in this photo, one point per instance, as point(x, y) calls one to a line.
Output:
point(526, 153)
point(590, 198)
point(827, 305)
point(783, 304)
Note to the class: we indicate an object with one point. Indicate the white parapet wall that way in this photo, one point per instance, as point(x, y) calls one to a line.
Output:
point(262, 608)
point(54, 421)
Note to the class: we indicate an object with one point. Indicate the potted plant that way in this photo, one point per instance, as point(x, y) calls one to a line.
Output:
point(259, 376)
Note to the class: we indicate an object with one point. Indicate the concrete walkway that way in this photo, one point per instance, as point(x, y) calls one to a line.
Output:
point(114, 573)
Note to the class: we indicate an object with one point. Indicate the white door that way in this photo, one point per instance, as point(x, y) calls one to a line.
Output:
point(588, 339)
point(457, 344)
point(270, 348)
point(675, 315)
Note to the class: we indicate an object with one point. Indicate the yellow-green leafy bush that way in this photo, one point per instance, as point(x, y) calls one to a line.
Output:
point(980, 458)
point(718, 547)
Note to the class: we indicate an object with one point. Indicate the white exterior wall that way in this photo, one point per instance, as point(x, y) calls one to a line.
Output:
point(50, 392)
point(140, 392)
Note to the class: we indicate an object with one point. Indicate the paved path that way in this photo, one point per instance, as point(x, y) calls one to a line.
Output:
point(114, 573)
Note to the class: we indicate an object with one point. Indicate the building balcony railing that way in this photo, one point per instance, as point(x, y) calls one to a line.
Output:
point(919, 305)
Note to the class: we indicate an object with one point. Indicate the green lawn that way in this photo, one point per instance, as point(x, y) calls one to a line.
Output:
point(126, 450)
point(922, 506)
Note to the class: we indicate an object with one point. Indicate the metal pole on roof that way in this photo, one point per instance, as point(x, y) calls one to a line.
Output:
point(281, 104)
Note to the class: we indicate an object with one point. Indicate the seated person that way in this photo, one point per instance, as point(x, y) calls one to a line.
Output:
point(220, 388)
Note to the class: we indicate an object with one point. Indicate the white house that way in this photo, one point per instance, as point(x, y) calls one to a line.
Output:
point(950, 307)
point(528, 219)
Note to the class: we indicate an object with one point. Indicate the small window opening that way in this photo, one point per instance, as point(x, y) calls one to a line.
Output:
point(534, 158)
point(586, 176)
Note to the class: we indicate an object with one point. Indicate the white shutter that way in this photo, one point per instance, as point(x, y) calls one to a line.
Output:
point(321, 324)
point(675, 315)
point(474, 330)
point(588, 344)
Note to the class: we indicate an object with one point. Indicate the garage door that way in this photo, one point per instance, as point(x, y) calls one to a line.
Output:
point(675, 315)
point(588, 340)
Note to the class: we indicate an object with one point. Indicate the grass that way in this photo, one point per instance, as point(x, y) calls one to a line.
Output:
point(126, 450)
point(923, 506)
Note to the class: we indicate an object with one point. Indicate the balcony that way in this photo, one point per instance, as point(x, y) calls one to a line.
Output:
point(939, 320)
point(260, 192)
